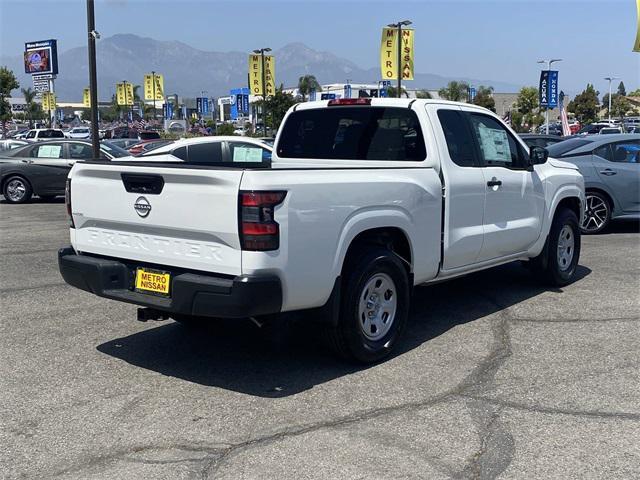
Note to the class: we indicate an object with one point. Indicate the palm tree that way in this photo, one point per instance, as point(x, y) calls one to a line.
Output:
point(30, 104)
point(306, 84)
point(455, 91)
point(423, 94)
point(392, 92)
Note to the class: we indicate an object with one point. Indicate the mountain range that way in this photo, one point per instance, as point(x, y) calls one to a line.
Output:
point(189, 71)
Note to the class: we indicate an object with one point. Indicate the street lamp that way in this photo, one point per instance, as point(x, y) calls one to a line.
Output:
point(399, 27)
point(610, 80)
point(261, 51)
point(546, 113)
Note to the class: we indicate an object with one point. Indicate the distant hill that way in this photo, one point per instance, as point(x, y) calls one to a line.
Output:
point(188, 71)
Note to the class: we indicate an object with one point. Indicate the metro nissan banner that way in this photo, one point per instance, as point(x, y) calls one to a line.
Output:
point(255, 74)
point(389, 53)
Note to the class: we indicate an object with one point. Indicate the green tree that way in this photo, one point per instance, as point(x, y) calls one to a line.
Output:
point(306, 84)
point(484, 98)
point(455, 91)
point(33, 110)
point(392, 92)
point(621, 90)
point(423, 94)
point(225, 129)
point(585, 106)
point(277, 105)
point(8, 82)
point(620, 106)
point(527, 111)
point(635, 93)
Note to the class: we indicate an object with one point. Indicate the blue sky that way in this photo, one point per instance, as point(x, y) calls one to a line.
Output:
point(500, 39)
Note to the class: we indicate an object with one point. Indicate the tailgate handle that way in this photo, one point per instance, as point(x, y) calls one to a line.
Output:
point(148, 184)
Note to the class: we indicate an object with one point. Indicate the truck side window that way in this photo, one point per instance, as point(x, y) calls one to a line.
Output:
point(458, 136)
point(497, 147)
point(206, 153)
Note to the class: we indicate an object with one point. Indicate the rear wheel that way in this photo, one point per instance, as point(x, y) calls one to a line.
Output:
point(557, 263)
point(597, 214)
point(17, 190)
point(374, 307)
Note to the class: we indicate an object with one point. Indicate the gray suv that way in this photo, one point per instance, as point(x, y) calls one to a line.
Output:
point(610, 165)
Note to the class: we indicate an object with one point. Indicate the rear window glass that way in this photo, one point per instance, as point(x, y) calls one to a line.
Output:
point(566, 146)
point(353, 133)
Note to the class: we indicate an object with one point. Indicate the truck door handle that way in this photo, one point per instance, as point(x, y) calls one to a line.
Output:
point(494, 182)
point(608, 172)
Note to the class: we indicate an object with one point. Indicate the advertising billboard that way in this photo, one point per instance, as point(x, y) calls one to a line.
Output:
point(41, 57)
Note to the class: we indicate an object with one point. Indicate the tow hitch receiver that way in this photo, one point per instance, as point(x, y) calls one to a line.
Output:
point(145, 314)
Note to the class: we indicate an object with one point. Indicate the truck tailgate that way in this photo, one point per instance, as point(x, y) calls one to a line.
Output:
point(180, 217)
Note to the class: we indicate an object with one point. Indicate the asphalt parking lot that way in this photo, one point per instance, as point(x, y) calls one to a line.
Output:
point(498, 378)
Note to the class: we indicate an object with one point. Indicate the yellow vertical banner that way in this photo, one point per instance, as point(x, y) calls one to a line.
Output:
point(270, 74)
point(636, 46)
point(389, 54)
point(48, 101)
point(159, 87)
point(407, 53)
point(149, 87)
point(120, 94)
point(124, 93)
point(255, 74)
point(86, 97)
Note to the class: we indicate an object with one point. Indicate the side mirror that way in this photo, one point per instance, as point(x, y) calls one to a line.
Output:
point(538, 155)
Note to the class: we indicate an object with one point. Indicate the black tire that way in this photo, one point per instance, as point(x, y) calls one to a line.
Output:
point(597, 213)
point(552, 267)
point(47, 198)
point(16, 184)
point(347, 338)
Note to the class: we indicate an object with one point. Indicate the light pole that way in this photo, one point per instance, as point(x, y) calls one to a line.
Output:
point(546, 113)
point(399, 27)
point(93, 78)
point(611, 79)
point(264, 89)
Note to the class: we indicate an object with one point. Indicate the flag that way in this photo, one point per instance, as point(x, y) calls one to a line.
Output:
point(507, 118)
point(566, 131)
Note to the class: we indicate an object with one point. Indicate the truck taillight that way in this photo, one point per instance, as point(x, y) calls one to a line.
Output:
point(258, 229)
point(67, 201)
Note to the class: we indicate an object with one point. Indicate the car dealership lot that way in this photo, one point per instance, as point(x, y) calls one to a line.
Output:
point(497, 377)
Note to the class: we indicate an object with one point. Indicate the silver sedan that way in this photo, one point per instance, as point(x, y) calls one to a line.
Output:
point(610, 165)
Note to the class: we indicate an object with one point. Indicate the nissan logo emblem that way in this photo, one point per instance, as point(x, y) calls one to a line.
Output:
point(142, 207)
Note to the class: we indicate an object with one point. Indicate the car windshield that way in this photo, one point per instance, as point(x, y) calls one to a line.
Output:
point(566, 146)
point(113, 150)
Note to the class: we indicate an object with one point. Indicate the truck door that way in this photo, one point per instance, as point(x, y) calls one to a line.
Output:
point(514, 204)
point(464, 187)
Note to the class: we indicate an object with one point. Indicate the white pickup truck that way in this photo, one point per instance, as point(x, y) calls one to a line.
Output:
point(361, 200)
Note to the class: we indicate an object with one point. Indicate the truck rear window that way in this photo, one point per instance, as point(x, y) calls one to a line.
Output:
point(353, 133)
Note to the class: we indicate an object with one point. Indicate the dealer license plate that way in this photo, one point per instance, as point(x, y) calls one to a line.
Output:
point(153, 281)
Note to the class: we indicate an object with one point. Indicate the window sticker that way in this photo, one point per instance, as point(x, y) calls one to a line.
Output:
point(247, 154)
point(49, 151)
point(494, 144)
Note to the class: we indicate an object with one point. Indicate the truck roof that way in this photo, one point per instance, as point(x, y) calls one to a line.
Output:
point(386, 102)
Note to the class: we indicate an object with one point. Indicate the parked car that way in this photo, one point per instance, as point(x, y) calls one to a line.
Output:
point(532, 139)
point(10, 144)
point(554, 129)
point(39, 134)
point(610, 165)
point(147, 146)
point(124, 143)
point(215, 150)
point(149, 135)
point(79, 132)
point(610, 130)
point(41, 168)
point(364, 198)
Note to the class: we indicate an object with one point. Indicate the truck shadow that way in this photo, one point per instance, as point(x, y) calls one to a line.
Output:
point(239, 356)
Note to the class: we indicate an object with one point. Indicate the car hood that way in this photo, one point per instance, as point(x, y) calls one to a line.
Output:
point(561, 164)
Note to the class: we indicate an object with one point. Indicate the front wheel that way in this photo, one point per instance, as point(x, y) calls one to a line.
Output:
point(557, 263)
point(17, 190)
point(374, 306)
point(597, 214)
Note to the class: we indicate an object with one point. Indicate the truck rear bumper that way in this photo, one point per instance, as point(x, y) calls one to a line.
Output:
point(191, 293)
